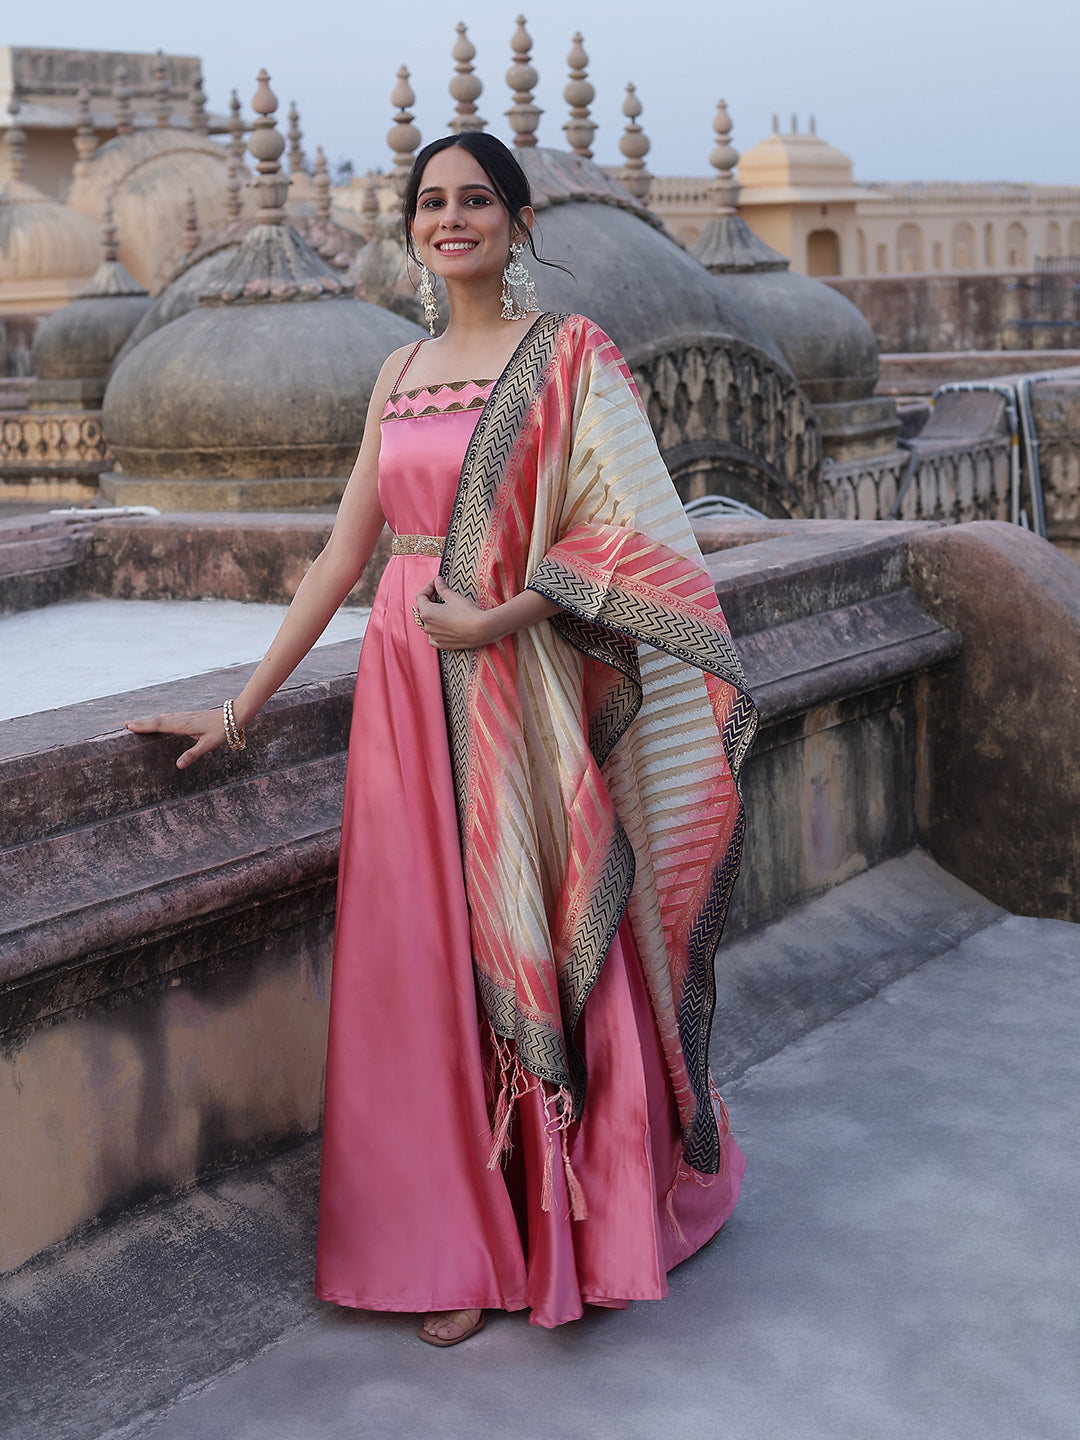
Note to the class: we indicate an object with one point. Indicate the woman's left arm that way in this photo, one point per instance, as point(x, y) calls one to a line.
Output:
point(451, 622)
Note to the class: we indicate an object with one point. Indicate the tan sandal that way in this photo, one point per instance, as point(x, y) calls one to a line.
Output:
point(453, 1317)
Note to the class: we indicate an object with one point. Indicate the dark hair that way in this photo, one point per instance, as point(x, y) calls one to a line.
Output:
point(498, 163)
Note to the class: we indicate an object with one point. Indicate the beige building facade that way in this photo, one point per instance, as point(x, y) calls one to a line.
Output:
point(799, 195)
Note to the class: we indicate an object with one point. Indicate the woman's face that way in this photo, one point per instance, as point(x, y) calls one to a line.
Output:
point(462, 229)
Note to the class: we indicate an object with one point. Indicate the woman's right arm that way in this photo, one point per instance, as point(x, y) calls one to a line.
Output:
point(333, 574)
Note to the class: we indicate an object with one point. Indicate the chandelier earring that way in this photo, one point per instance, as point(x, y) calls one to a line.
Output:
point(518, 289)
point(427, 298)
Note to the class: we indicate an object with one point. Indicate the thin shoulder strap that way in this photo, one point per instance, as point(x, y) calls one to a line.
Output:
point(408, 362)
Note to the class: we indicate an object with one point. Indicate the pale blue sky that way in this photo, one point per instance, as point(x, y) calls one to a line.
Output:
point(927, 89)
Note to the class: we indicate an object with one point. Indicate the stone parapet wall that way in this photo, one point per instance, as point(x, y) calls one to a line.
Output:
point(958, 311)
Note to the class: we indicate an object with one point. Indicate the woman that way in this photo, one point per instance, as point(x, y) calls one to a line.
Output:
point(540, 809)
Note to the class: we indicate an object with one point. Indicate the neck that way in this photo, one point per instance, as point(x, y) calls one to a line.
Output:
point(475, 311)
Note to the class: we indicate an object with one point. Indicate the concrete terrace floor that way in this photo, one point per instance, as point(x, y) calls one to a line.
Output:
point(902, 1263)
point(85, 649)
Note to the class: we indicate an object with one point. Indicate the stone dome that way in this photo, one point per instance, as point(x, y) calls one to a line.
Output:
point(76, 345)
point(48, 252)
point(796, 162)
point(269, 377)
point(210, 260)
point(148, 174)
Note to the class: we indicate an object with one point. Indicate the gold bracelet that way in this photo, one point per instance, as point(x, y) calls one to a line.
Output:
point(233, 734)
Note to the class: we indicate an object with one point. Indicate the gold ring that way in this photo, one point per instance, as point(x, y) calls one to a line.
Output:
point(417, 616)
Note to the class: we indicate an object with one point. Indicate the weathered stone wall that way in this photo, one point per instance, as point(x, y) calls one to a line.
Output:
point(998, 798)
point(958, 311)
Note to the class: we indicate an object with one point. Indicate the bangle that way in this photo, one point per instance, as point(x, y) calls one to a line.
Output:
point(233, 734)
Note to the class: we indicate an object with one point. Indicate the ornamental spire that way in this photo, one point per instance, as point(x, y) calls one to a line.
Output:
point(403, 137)
point(579, 95)
point(197, 118)
point(124, 118)
point(465, 87)
point(266, 146)
point(85, 134)
point(162, 94)
point(635, 145)
point(524, 114)
point(16, 141)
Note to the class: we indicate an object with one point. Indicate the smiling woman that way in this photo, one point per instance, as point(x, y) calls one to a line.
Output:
point(518, 1113)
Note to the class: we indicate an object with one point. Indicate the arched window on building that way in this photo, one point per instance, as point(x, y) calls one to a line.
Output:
point(1053, 238)
point(689, 234)
point(909, 249)
point(939, 255)
point(988, 246)
point(963, 247)
point(1016, 251)
point(1074, 237)
point(882, 259)
point(860, 243)
point(823, 253)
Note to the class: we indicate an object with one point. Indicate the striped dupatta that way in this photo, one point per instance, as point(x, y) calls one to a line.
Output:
point(595, 757)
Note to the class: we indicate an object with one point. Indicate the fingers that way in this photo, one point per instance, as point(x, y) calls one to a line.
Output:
point(192, 754)
point(428, 592)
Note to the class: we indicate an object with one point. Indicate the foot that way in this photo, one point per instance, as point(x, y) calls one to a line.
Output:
point(450, 1327)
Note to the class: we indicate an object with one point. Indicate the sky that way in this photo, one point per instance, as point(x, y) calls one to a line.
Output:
point(924, 90)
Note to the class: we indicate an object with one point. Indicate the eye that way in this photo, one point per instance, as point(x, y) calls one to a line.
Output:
point(478, 200)
point(432, 202)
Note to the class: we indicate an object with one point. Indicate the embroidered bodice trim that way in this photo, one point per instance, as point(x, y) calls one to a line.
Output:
point(413, 411)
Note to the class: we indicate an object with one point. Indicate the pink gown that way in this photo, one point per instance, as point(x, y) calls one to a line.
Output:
point(410, 1216)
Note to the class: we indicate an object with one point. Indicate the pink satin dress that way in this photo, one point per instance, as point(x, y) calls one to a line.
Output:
point(410, 1216)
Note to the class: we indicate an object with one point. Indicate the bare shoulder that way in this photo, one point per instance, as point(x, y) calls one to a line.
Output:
point(391, 369)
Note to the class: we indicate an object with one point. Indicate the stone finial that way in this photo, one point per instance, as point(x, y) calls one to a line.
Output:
point(110, 247)
point(369, 210)
point(579, 95)
point(727, 245)
point(635, 145)
point(191, 223)
point(162, 94)
point(524, 114)
point(233, 186)
point(16, 142)
point(123, 115)
point(322, 185)
point(85, 134)
point(723, 157)
point(297, 158)
point(266, 146)
point(775, 123)
point(465, 87)
point(794, 123)
point(403, 137)
point(236, 129)
point(200, 125)
point(813, 126)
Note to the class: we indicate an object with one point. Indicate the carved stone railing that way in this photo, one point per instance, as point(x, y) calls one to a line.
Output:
point(964, 482)
point(729, 421)
point(60, 446)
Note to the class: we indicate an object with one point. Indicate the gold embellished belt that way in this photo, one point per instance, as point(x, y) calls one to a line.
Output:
point(417, 545)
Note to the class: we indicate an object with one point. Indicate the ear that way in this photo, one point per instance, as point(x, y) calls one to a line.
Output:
point(526, 221)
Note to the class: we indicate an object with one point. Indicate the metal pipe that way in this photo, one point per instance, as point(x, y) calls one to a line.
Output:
point(1031, 446)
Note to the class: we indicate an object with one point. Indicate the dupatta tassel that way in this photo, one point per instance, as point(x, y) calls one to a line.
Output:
point(513, 1083)
point(559, 1124)
point(683, 1171)
point(723, 1122)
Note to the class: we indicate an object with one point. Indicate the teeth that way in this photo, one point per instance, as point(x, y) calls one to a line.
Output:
point(457, 245)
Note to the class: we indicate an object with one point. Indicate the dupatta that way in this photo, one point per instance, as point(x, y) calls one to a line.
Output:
point(595, 758)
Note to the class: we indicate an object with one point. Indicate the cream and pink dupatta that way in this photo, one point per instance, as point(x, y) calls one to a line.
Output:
point(595, 758)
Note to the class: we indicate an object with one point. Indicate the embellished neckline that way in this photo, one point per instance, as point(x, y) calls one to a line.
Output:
point(455, 385)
